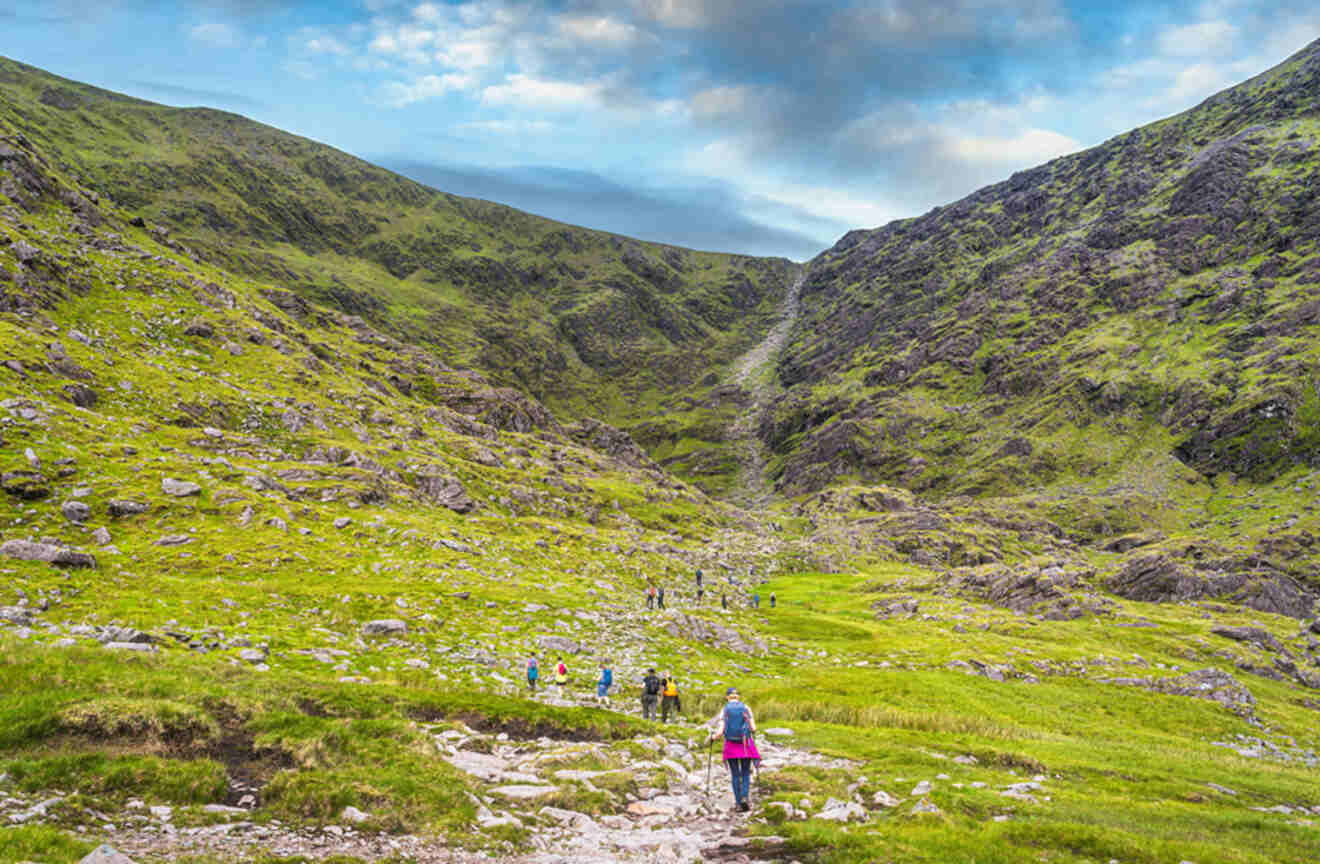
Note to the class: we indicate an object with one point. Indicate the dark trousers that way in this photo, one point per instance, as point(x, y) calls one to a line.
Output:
point(667, 704)
point(740, 773)
point(648, 707)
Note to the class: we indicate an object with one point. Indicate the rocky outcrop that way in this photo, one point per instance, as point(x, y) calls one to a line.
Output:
point(27, 550)
point(684, 626)
point(616, 443)
point(1158, 577)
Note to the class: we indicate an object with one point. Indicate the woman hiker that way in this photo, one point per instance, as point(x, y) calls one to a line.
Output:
point(669, 698)
point(532, 672)
point(605, 682)
point(735, 725)
point(561, 677)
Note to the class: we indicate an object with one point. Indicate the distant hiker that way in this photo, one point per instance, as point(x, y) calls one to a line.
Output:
point(724, 601)
point(698, 578)
point(650, 597)
point(736, 726)
point(650, 693)
point(605, 682)
point(561, 677)
point(533, 672)
point(669, 698)
point(756, 600)
point(660, 598)
point(772, 599)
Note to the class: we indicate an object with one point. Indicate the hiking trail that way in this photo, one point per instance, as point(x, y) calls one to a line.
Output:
point(750, 490)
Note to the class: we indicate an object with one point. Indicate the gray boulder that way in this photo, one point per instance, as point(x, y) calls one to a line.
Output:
point(106, 854)
point(384, 627)
point(558, 645)
point(124, 507)
point(76, 511)
point(179, 488)
point(26, 550)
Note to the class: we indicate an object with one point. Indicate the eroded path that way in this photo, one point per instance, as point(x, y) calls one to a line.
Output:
point(674, 817)
point(750, 373)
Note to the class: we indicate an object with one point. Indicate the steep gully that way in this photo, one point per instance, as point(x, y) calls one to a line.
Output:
point(751, 491)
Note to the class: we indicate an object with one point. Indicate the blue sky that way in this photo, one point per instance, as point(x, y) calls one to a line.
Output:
point(760, 127)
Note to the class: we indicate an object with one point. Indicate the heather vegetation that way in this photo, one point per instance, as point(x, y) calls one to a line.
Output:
point(301, 461)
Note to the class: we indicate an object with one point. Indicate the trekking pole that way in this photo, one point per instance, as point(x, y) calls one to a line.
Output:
point(710, 753)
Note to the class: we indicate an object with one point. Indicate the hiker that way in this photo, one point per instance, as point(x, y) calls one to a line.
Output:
point(669, 698)
point(650, 597)
point(772, 599)
point(724, 601)
point(532, 672)
point(650, 693)
point(660, 598)
point(736, 726)
point(698, 578)
point(561, 677)
point(756, 600)
point(605, 682)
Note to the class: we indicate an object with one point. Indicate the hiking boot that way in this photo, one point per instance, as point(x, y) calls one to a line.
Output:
point(744, 806)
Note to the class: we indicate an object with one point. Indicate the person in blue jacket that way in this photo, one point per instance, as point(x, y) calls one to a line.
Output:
point(605, 683)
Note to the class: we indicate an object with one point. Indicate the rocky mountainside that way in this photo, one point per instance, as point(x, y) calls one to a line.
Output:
point(1157, 288)
point(592, 324)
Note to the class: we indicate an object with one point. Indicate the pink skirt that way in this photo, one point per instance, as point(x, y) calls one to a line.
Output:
point(741, 750)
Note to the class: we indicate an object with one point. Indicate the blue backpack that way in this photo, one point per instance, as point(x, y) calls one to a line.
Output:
point(532, 671)
point(736, 725)
point(607, 677)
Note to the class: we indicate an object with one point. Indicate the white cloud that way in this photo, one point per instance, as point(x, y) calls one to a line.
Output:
point(528, 92)
point(1200, 39)
point(508, 127)
point(399, 95)
point(471, 54)
point(323, 44)
point(718, 102)
point(726, 160)
point(599, 30)
point(679, 14)
point(214, 33)
point(1028, 147)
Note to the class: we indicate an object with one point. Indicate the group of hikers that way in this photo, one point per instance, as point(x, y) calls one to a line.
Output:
point(734, 722)
point(655, 594)
point(655, 690)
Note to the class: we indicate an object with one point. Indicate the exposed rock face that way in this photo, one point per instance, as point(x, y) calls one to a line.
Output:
point(1212, 684)
point(27, 485)
point(613, 442)
point(1159, 578)
point(26, 550)
point(1049, 592)
point(447, 492)
point(684, 626)
point(558, 645)
point(998, 295)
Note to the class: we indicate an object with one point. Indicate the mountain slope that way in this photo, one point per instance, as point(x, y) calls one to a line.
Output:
point(1160, 284)
point(592, 324)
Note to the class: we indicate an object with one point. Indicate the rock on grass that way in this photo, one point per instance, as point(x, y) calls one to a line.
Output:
point(26, 550)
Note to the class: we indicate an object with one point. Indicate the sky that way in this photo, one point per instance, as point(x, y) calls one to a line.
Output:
point(768, 128)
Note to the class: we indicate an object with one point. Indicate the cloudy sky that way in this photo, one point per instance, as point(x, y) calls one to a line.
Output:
point(755, 126)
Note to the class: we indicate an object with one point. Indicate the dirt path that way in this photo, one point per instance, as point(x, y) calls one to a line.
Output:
point(750, 490)
point(682, 824)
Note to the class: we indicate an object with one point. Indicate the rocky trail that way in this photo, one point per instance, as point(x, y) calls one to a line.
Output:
point(679, 819)
point(751, 491)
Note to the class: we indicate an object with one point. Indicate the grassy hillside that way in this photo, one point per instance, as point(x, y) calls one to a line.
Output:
point(590, 323)
point(271, 573)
